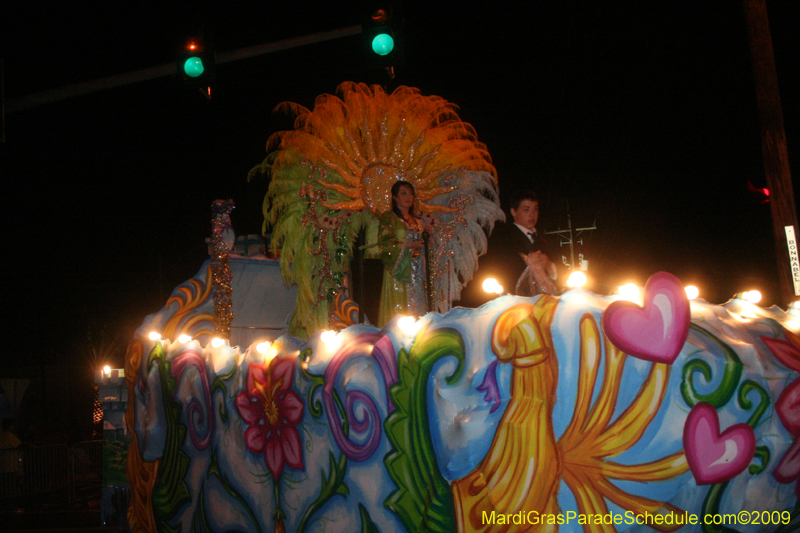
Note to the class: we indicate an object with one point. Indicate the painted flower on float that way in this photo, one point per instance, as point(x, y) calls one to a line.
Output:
point(788, 408)
point(272, 410)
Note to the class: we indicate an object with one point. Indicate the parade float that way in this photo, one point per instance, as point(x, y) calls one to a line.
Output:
point(575, 412)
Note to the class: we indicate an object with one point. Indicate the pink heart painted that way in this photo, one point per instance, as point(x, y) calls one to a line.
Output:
point(788, 408)
point(657, 331)
point(785, 352)
point(714, 457)
point(788, 468)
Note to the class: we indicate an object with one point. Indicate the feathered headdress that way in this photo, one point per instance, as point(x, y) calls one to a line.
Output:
point(332, 175)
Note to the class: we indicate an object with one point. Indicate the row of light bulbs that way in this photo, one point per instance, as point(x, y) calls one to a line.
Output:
point(629, 291)
point(216, 342)
point(409, 324)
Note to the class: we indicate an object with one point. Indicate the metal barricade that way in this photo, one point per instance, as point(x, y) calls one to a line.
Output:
point(45, 468)
point(86, 462)
point(10, 472)
point(51, 467)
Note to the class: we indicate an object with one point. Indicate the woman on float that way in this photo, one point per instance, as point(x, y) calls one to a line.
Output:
point(402, 252)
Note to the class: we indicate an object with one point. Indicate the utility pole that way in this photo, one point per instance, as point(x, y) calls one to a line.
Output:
point(569, 236)
point(773, 145)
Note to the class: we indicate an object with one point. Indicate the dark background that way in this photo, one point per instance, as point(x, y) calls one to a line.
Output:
point(641, 116)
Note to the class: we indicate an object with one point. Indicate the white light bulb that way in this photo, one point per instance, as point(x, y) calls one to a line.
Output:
point(262, 347)
point(328, 336)
point(692, 292)
point(753, 296)
point(630, 292)
point(406, 324)
point(576, 279)
point(491, 285)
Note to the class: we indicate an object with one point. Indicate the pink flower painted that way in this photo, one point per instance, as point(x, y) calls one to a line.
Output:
point(788, 409)
point(272, 410)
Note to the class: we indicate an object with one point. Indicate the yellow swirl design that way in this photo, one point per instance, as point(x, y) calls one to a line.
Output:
point(190, 296)
point(344, 312)
point(142, 474)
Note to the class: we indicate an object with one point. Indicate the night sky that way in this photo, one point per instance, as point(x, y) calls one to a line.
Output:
point(639, 115)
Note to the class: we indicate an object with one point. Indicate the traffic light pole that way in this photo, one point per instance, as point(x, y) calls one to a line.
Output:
point(773, 145)
point(79, 89)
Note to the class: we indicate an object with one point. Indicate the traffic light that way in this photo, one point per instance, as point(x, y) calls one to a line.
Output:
point(195, 66)
point(761, 193)
point(382, 32)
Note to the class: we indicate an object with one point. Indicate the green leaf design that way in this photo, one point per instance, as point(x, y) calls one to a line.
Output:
point(331, 486)
point(423, 500)
point(213, 470)
point(200, 518)
point(219, 385)
point(170, 492)
point(317, 382)
point(718, 398)
point(762, 454)
point(749, 385)
point(200, 522)
point(314, 406)
point(367, 525)
point(711, 507)
point(730, 377)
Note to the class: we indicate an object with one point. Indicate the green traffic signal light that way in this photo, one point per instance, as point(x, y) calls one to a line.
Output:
point(193, 67)
point(383, 44)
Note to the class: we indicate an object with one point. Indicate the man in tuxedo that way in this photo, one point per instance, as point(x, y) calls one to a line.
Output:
point(512, 247)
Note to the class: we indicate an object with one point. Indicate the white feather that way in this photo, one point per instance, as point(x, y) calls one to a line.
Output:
point(469, 242)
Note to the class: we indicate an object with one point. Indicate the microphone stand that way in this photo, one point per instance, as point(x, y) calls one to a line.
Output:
point(426, 237)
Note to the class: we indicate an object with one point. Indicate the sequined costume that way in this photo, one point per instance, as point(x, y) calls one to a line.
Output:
point(403, 289)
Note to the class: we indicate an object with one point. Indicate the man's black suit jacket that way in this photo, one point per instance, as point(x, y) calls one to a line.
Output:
point(502, 262)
